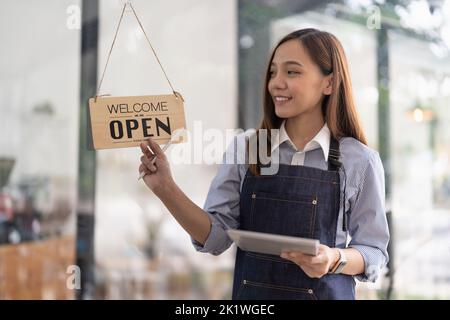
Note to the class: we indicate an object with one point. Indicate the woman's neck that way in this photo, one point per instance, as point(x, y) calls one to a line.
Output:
point(302, 128)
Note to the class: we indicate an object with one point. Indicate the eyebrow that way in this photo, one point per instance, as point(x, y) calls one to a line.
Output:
point(289, 62)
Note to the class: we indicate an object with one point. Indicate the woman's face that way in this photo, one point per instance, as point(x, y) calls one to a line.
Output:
point(296, 83)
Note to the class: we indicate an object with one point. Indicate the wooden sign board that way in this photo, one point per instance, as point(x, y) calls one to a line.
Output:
point(119, 122)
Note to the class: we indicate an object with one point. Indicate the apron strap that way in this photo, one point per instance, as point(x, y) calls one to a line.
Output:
point(334, 165)
point(333, 155)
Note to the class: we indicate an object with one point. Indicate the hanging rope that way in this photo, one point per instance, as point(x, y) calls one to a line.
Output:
point(153, 50)
point(177, 94)
point(110, 51)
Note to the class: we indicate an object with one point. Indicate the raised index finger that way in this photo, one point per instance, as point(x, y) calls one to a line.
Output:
point(145, 150)
point(155, 147)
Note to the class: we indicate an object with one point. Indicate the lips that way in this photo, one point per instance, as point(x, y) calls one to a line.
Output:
point(280, 100)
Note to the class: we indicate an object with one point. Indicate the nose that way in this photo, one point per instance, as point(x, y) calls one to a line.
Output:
point(277, 82)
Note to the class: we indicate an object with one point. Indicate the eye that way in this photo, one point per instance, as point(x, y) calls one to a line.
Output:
point(271, 73)
point(293, 72)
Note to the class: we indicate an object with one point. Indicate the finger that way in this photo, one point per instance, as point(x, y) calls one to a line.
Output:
point(292, 259)
point(156, 148)
point(319, 259)
point(145, 150)
point(287, 257)
point(143, 168)
point(313, 260)
point(297, 255)
point(147, 162)
point(304, 259)
point(153, 168)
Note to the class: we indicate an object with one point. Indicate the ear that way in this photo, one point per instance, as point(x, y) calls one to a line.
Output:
point(328, 84)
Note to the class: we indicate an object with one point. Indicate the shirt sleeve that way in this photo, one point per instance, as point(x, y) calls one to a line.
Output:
point(368, 226)
point(222, 204)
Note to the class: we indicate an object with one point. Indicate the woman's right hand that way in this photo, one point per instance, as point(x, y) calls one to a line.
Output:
point(158, 177)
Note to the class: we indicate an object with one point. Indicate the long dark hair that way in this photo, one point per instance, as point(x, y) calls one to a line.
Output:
point(338, 108)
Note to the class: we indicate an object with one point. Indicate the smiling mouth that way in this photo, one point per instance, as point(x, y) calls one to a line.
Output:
point(281, 99)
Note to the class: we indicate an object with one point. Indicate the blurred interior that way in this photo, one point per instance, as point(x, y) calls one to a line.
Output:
point(62, 204)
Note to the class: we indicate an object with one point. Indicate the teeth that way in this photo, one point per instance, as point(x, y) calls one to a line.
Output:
point(282, 98)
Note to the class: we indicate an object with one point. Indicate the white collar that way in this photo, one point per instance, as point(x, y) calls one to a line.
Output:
point(320, 140)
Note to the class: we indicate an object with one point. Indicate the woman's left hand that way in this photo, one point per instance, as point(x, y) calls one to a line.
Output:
point(314, 266)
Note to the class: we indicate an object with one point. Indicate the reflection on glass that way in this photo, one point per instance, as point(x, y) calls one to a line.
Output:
point(38, 143)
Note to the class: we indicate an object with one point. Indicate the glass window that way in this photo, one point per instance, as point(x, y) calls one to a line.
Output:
point(420, 95)
point(39, 106)
point(141, 251)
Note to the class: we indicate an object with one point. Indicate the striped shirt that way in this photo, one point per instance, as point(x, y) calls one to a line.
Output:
point(364, 196)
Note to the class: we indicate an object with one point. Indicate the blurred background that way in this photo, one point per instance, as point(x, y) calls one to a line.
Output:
point(64, 205)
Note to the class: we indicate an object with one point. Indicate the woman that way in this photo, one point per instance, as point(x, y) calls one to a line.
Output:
point(329, 184)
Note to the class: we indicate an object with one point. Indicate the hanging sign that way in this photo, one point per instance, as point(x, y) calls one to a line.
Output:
point(118, 122)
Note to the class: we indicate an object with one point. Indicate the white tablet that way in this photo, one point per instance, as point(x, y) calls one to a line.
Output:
point(272, 243)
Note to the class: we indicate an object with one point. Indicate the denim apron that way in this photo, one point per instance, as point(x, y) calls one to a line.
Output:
point(298, 201)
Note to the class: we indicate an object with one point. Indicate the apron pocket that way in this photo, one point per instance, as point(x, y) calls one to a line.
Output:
point(252, 290)
point(286, 214)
